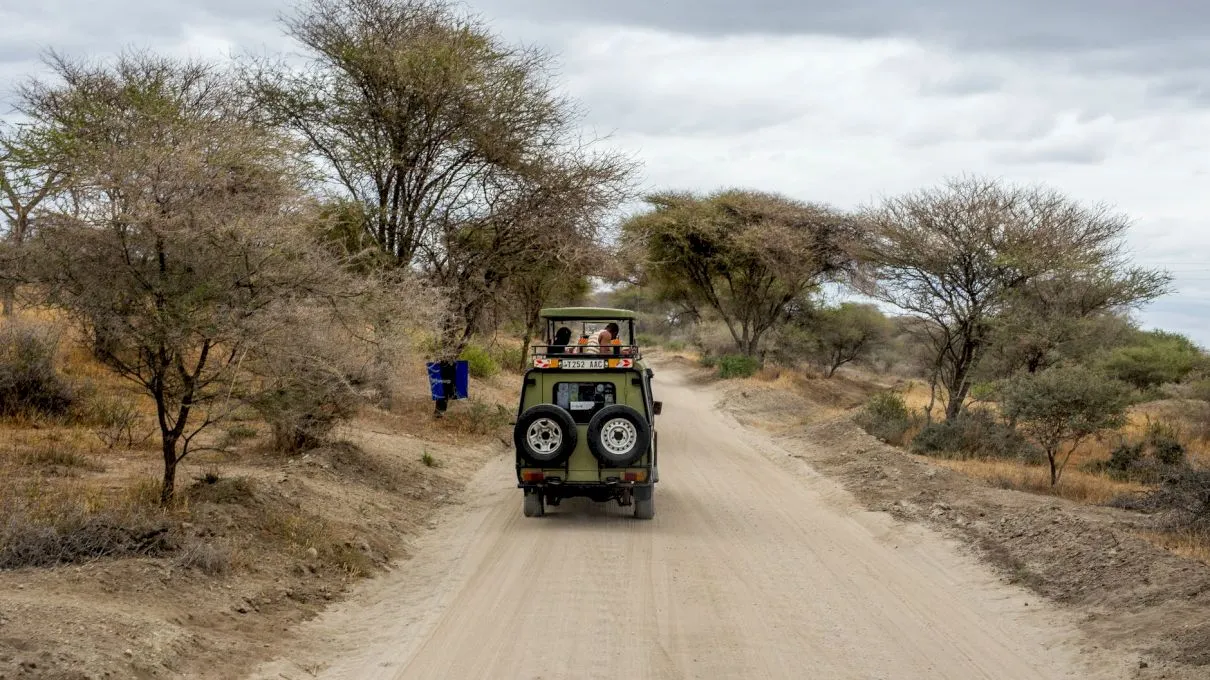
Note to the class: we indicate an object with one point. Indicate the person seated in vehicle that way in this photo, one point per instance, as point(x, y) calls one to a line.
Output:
point(601, 342)
point(562, 339)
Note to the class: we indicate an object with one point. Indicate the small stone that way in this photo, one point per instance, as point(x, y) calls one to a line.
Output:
point(312, 553)
point(129, 652)
point(1144, 664)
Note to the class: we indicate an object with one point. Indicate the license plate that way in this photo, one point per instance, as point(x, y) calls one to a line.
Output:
point(582, 364)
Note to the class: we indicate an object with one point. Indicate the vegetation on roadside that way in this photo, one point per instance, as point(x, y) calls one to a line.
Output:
point(174, 282)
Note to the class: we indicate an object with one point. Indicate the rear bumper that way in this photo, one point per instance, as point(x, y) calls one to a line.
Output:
point(600, 491)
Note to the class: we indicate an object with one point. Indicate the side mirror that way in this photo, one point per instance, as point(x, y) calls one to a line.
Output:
point(657, 407)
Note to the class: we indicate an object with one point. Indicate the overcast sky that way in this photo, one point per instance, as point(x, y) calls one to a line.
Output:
point(826, 100)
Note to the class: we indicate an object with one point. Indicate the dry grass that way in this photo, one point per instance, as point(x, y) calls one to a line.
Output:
point(310, 538)
point(52, 522)
point(1075, 485)
point(1189, 543)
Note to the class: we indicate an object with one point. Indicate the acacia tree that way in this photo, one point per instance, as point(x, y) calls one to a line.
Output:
point(843, 334)
point(455, 143)
point(1066, 315)
point(182, 245)
point(407, 104)
point(25, 183)
point(959, 257)
point(527, 217)
point(744, 255)
point(558, 274)
point(1060, 407)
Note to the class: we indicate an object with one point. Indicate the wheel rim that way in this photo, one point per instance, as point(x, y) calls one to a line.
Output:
point(544, 436)
point(618, 436)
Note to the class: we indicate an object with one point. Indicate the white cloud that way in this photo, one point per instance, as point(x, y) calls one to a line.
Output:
point(843, 120)
point(847, 121)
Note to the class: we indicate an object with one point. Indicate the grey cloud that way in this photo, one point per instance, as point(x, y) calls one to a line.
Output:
point(1029, 25)
point(1082, 152)
point(964, 83)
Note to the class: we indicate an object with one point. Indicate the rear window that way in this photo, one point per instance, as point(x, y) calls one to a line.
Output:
point(584, 399)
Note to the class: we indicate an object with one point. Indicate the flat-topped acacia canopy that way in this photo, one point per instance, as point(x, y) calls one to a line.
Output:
point(587, 314)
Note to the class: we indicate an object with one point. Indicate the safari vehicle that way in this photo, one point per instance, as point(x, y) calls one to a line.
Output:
point(586, 422)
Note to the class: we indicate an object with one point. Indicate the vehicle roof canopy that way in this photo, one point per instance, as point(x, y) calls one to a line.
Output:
point(587, 314)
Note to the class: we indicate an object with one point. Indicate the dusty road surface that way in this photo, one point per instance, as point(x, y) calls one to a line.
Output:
point(754, 567)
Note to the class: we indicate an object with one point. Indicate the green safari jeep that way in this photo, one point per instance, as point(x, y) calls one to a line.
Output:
point(586, 422)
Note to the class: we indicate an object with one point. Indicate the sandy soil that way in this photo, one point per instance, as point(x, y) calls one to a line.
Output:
point(153, 618)
point(1129, 596)
point(755, 566)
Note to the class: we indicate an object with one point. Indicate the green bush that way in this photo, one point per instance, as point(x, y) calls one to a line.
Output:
point(1126, 456)
point(887, 417)
point(479, 362)
point(975, 433)
point(709, 361)
point(737, 366)
point(675, 346)
point(1159, 358)
point(1163, 439)
point(30, 384)
point(508, 357)
point(648, 340)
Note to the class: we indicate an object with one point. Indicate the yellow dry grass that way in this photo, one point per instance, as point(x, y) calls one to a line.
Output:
point(1075, 485)
point(1184, 542)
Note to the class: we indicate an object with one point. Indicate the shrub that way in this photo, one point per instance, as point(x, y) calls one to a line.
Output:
point(1125, 457)
point(1158, 358)
point(115, 422)
point(478, 417)
point(737, 366)
point(975, 433)
point(1184, 496)
point(1060, 407)
point(887, 417)
point(211, 559)
point(429, 460)
point(508, 356)
point(1163, 439)
point(479, 362)
point(708, 361)
point(29, 381)
point(647, 340)
point(42, 526)
point(675, 346)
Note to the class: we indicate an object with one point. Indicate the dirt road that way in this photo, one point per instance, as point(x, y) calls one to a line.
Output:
point(754, 567)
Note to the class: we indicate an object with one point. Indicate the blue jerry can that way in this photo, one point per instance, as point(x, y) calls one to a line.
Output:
point(448, 380)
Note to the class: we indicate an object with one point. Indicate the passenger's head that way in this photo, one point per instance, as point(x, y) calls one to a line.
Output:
point(613, 330)
point(563, 336)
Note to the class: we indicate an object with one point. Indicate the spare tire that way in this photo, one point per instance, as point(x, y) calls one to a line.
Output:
point(618, 435)
point(545, 435)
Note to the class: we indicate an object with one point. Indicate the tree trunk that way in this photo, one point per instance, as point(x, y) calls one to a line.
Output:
point(1054, 468)
point(959, 387)
point(168, 488)
point(9, 295)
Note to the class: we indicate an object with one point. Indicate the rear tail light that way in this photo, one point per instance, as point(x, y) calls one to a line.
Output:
point(532, 475)
point(635, 476)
